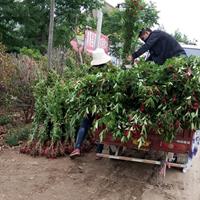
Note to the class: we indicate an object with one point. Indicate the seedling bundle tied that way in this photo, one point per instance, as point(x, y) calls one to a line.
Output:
point(144, 99)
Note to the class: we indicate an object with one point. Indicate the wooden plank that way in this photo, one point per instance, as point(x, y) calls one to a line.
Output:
point(129, 159)
point(169, 164)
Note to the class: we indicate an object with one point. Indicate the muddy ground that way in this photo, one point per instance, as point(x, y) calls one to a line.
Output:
point(26, 178)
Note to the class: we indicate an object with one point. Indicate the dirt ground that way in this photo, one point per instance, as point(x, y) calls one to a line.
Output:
point(26, 178)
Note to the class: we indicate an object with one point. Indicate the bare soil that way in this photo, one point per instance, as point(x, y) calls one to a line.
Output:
point(23, 177)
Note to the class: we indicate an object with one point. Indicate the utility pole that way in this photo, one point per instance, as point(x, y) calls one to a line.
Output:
point(99, 25)
point(50, 39)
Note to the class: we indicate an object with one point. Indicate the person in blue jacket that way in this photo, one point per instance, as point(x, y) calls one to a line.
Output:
point(160, 45)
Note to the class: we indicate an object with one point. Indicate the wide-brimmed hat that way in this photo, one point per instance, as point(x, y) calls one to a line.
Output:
point(99, 57)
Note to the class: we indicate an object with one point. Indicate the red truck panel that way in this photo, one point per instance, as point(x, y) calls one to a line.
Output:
point(181, 144)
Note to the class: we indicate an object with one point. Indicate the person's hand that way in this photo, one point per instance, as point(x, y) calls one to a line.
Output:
point(130, 59)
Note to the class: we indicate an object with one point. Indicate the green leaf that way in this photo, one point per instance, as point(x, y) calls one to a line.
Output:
point(94, 109)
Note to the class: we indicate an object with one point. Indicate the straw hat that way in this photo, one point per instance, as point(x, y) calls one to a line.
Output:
point(99, 57)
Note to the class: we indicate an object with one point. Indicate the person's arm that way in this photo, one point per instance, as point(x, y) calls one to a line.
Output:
point(140, 51)
point(153, 38)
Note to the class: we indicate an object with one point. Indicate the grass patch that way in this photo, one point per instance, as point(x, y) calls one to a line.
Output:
point(5, 120)
point(15, 136)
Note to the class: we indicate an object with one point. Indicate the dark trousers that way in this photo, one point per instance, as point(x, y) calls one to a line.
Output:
point(85, 125)
point(82, 132)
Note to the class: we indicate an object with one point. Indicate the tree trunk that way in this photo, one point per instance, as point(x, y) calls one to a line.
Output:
point(51, 27)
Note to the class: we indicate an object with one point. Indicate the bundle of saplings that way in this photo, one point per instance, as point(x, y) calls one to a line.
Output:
point(163, 99)
point(127, 103)
point(52, 133)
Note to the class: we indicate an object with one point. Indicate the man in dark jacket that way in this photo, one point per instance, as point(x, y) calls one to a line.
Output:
point(160, 45)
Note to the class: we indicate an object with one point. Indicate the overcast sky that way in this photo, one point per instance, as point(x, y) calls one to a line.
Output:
point(183, 15)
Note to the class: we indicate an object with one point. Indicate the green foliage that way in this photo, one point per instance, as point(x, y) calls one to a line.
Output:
point(18, 77)
point(25, 23)
point(6, 64)
point(72, 63)
point(131, 104)
point(163, 99)
point(7, 69)
point(183, 38)
point(49, 107)
point(20, 86)
point(9, 21)
point(17, 135)
point(32, 53)
point(123, 26)
point(5, 120)
point(113, 26)
point(137, 15)
point(53, 97)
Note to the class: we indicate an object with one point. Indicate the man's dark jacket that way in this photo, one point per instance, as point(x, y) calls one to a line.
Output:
point(161, 46)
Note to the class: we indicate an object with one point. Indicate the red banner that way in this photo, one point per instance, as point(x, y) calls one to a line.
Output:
point(90, 39)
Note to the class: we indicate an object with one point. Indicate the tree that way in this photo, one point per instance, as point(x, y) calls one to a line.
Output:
point(122, 26)
point(25, 23)
point(51, 28)
point(9, 24)
point(112, 26)
point(183, 38)
point(138, 15)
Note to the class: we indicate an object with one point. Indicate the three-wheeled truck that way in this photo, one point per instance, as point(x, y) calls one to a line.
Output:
point(177, 153)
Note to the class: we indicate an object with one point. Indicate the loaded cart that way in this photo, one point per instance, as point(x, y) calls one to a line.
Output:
point(178, 153)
